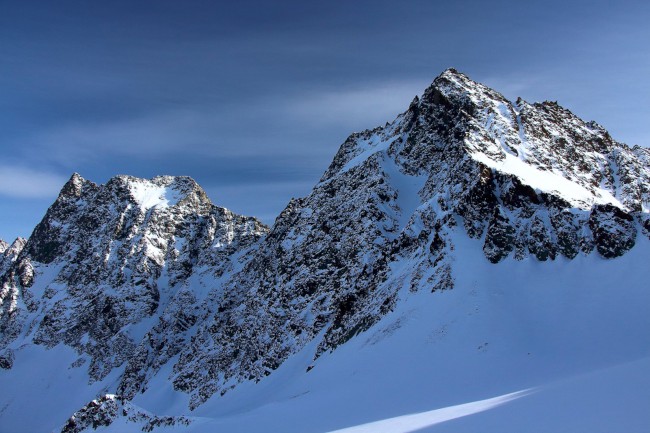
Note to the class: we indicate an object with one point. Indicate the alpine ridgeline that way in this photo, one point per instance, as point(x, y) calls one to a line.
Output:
point(137, 275)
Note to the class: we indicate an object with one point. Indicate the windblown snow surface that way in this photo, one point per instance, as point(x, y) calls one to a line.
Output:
point(520, 346)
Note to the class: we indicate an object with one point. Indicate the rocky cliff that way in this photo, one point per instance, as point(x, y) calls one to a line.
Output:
point(524, 180)
point(109, 262)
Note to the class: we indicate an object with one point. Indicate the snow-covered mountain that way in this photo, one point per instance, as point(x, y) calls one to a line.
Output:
point(110, 265)
point(471, 248)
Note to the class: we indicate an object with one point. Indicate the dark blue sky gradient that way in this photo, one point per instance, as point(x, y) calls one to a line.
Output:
point(253, 99)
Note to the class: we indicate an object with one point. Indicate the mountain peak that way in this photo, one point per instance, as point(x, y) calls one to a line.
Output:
point(13, 249)
point(160, 191)
point(451, 73)
point(457, 86)
point(461, 131)
point(452, 76)
point(73, 186)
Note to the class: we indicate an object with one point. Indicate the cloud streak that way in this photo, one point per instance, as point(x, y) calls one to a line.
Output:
point(363, 107)
point(23, 182)
point(277, 121)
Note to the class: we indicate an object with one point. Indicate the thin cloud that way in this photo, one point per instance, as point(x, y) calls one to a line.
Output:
point(513, 86)
point(236, 130)
point(271, 197)
point(23, 182)
point(157, 134)
point(360, 108)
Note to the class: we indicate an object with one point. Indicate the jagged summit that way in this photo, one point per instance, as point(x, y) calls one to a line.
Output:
point(160, 191)
point(543, 144)
point(114, 255)
point(452, 73)
point(73, 186)
point(9, 252)
point(525, 181)
point(455, 86)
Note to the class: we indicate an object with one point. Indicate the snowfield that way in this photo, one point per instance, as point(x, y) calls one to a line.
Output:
point(518, 346)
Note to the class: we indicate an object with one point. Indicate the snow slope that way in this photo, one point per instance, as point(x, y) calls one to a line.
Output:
point(518, 346)
point(502, 329)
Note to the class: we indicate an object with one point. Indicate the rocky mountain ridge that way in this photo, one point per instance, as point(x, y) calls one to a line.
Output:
point(380, 218)
point(138, 274)
point(107, 259)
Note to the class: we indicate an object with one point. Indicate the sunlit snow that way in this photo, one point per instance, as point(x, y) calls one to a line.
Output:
point(548, 181)
point(149, 195)
point(418, 421)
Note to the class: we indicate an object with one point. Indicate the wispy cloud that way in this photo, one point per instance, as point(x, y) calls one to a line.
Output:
point(271, 197)
point(267, 125)
point(23, 182)
point(156, 134)
point(512, 86)
point(363, 108)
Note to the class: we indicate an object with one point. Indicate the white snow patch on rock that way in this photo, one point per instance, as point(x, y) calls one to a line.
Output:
point(149, 195)
point(550, 182)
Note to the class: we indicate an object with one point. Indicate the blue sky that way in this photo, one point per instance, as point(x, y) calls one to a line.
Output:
point(252, 100)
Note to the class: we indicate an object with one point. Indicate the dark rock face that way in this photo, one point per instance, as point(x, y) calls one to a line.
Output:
point(10, 296)
point(323, 266)
point(500, 238)
point(98, 413)
point(139, 273)
point(614, 230)
point(9, 253)
point(106, 409)
point(106, 258)
point(394, 195)
point(7, 359)
point(540, 242)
